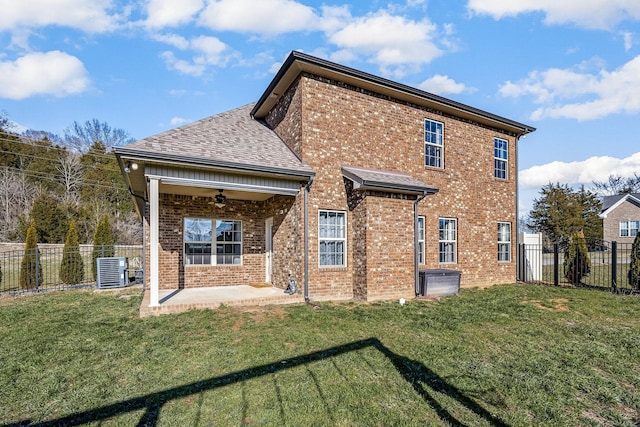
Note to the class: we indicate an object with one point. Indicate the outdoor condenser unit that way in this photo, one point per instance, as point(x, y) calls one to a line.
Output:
point(111, 272)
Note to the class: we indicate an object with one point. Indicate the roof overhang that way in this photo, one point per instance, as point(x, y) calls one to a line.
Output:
point(147, 163)
point(386, 181)
point(298, 62)
point(627, 198)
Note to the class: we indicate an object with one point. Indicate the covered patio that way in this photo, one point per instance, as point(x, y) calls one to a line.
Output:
point(181, 300)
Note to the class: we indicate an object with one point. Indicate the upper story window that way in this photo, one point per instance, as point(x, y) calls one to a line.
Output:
point(421, 240)
point(332, 241)
point(199, 242)
point(501, 157)
point(433, 143)
point(504, 241)
point(448, 240)
point(629, 228)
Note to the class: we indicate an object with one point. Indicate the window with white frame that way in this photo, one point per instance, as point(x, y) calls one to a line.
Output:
point(199, 241)
point(421, 254)
point(504, 241)
point(448, 240)
point(433, 143)
point(629, 228)
point(501, 157)
point(332, 241)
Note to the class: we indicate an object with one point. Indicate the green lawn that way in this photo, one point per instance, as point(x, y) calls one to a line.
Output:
point(511, 355)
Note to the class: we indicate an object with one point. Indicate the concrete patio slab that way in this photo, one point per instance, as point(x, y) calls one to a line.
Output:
point(180, 300)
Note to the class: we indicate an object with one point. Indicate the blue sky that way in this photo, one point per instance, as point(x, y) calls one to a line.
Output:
point(570, 68)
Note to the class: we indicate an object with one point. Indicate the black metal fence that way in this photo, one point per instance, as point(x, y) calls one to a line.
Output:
point(45, 267)
point(606, 265)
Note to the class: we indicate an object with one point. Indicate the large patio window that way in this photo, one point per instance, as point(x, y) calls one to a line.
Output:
point(332, 232)
point(199, 242)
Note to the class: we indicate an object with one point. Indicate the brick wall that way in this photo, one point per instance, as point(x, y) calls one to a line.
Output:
point(626, 211)
point(344, 125)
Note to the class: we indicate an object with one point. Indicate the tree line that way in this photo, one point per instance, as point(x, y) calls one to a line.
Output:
point(562, 211)
point(53, 180)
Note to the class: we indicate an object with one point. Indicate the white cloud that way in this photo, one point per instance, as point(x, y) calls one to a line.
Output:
point(170, 13)
point(594, 14)
point(208, 51)
point(177, 121)
point(441, 85)
point(594, 95)
point(596, 168)
point(389, 40)
point(91, 16)
point(185, 67)
point(628, 40)
point(266, 17)
point(50, 73)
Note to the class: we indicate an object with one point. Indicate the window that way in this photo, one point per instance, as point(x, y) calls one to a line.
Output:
point(198, 242)
point(332, 240)
point(501, 157)
point(433, 143)
point(420, 240)
point(629, 228)
point(504, 241)
point(447, 240)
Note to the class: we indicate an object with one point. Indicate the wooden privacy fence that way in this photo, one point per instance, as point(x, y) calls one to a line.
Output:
point(46, 265)
point(608, 264)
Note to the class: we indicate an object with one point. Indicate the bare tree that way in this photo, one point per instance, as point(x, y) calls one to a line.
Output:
point(617, 184)
point(70, 176)
point(16, 197)
point(80, 137)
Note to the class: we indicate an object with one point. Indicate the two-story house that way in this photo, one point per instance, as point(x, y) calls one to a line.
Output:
point(346, 181)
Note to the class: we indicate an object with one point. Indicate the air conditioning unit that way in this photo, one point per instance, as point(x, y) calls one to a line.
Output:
point(112, 272)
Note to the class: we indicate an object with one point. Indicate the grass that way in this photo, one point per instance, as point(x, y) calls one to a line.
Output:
point(511, 355)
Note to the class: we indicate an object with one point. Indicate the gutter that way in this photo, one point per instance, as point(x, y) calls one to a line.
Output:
point(416, 261)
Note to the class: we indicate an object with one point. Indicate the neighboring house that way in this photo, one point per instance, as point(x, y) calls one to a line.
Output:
point(347, 181)
point(620, 217)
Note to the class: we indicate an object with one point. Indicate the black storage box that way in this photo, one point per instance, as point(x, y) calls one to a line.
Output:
point(438, 282)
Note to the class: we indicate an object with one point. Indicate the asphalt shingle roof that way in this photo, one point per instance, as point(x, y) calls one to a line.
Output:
point(608, 201)
point(386, 180)
point(231, 137)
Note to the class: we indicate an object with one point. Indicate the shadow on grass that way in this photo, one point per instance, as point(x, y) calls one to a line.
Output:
point(415, 373)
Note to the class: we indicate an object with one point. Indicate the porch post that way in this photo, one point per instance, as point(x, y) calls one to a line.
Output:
point(154, 297)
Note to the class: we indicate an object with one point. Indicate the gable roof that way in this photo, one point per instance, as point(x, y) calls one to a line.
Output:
point(388, 181)
point(609, 203)
point(229, 140)
point(299, 62)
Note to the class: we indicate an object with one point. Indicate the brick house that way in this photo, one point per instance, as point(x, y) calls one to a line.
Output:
point(620, 217)
point(346, 181)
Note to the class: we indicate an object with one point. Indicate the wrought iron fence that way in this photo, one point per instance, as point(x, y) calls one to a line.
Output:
point(42, 269)
point(605, 266)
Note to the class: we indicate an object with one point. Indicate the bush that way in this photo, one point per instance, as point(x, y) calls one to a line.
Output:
point(102, 243)
point(72, 267)
point(634, 267)
point(30, 268)
point(576, 259)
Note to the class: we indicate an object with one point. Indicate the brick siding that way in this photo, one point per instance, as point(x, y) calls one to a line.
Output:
point(626, 211)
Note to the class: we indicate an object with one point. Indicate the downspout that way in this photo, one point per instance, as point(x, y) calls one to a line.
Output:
point(517, 230)
point(415, 241)
point(306, 241)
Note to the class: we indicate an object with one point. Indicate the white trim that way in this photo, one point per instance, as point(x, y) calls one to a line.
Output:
point(422, 261)
point(506, 161)
point(333, 239)
point(425, 143)
point(455, 241)
point(154, 251)
point(268, 249)
point(508, 243)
